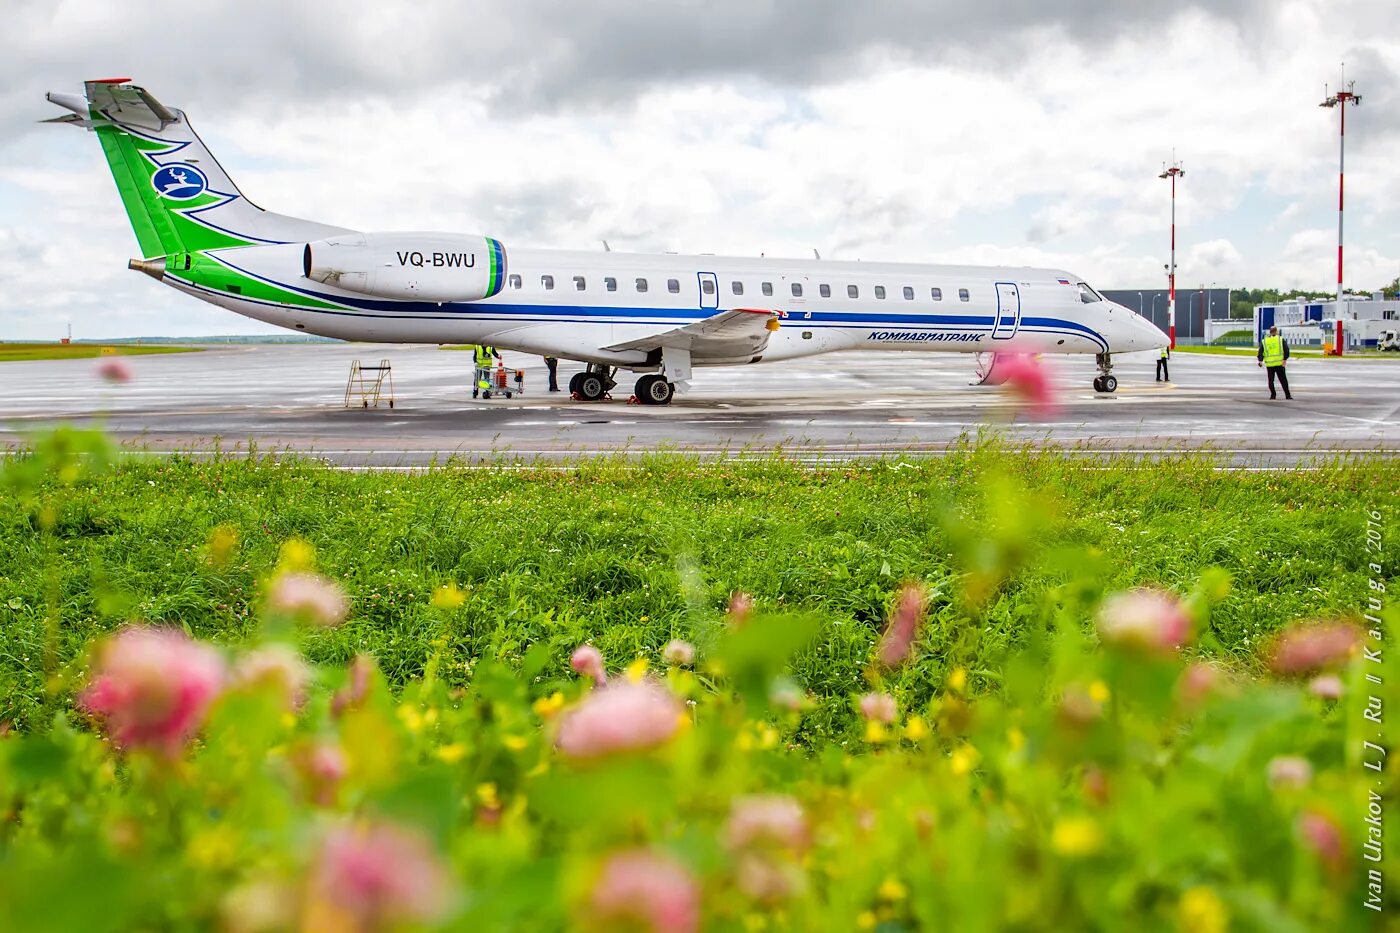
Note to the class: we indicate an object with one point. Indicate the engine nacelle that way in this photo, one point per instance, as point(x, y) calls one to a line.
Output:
point(409, 266)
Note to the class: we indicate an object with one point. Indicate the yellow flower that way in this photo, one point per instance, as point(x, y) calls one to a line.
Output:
point(222, 541)
point(892, 890)
point(452, 753)
point(875, 732)
point(1076, 837)
point(411, 718)
point(1016, 739)
point(1098, 692)
point(214, 847)
point(546, 707)
point(486, 793)
point(297, 555)
point(957, 680)
point(866, 920)
point(916, 730)
point(515, 743)
point(964, 759)
point(448, 596)
point(767, 736)
point(636, 670)
point(1201, 911)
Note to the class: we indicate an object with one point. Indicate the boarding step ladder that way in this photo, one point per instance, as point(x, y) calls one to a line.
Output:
point(370, 385)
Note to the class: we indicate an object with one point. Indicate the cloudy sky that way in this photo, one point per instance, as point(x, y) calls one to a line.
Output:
point(989, 131)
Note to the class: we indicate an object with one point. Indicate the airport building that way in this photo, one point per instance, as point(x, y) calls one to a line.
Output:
point(1307, 322)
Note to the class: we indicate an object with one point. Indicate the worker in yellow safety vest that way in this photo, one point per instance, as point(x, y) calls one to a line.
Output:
point(1273, 353)
point(484, 357)
point(1162, 375)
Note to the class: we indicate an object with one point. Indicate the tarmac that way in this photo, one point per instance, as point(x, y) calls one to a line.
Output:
point(290, 398)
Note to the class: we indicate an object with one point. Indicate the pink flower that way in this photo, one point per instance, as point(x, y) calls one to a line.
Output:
point(1145, 619)
point(624, 717)
point(321, 767)
point(1307, 649)
point(113, 370)
point(1323, 836)
point(275, 666)
point(153, 688)
point(1289, 771)
point(1326, 686)
point(678, 653)
point(376, 877)
point(771, 820)
point(904, 625)
point(587, 661)
point(740, 607)
point(878, 707)
point(357, 684)
point(1028, 379)
point(309, 596)
point(652, 891)
point(1198, 682)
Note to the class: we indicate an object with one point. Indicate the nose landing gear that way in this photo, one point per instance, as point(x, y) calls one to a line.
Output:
point(1105, 381)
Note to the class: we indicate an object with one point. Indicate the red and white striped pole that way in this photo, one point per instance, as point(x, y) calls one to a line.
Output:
point(1173, 173)
point(1341, 99)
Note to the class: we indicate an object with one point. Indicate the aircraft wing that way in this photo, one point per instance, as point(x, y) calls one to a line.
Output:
point(729, 334)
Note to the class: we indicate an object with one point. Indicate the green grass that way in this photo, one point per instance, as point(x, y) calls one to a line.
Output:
point(625, 556)
point(10, 352)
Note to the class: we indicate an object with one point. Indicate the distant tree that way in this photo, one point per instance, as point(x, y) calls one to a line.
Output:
point(1392, 290)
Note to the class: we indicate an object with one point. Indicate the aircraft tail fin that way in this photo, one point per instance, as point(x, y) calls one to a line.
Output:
point(177, 196)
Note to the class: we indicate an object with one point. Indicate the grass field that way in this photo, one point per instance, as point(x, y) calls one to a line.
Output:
point(627, 556)
point(11, 352)
point(1011, 742)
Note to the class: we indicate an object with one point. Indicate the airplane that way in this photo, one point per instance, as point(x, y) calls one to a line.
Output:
point(656, 316)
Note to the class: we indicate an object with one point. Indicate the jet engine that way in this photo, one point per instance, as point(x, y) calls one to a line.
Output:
point(437, 267)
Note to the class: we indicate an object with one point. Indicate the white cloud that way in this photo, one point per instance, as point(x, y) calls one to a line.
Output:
point(1033, 146)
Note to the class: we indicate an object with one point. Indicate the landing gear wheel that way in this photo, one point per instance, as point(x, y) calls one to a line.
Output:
point(508, 395)
point(1098, 383)
point(654, 390)
point(573, 383)
point(1110, 383)
point(590, 387)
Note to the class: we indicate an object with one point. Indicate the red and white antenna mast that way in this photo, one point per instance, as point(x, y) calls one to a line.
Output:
point(1340, 99)
point(1173, 172)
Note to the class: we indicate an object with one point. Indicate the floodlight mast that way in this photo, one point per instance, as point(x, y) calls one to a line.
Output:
point(1174, 172)
point(1341, 99)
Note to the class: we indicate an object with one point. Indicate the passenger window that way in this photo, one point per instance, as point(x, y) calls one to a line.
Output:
point(515, 281)
point(578, 283)
point(908, 293)
point(610, 284)
point(880, 291)
point(797, 289)
point(547, 281)
point(963, 295)
point(768, 288)
point(707, 286)
point(937, 294)
point(825, 290)
point(641, 285)
point(737, 287)
point(852, 291)
point(673, 286)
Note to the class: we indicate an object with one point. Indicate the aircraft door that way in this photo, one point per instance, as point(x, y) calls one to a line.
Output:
point(709, 291)
point(1008, 319)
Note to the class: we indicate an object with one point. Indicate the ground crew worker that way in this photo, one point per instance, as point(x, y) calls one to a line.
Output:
point(484, 357)
point(1162, 375)
point(553, 363)
point(1273, 353)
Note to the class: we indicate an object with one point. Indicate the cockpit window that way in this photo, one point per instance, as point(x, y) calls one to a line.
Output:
point(1088, 295)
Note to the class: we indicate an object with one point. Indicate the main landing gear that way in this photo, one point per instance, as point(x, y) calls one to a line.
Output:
point(654, 389)
point(593, 384)
point(1105, 381)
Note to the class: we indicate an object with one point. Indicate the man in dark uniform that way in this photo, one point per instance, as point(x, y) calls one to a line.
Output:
point(553, 363)
point(1162, 375)
point(1273, 353)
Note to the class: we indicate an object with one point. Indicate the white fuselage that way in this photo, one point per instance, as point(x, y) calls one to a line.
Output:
point(575, 305)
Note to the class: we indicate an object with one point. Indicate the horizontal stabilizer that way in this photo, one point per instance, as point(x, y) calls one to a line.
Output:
point(727, 335)
point(130, 105)
point(70, 119)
